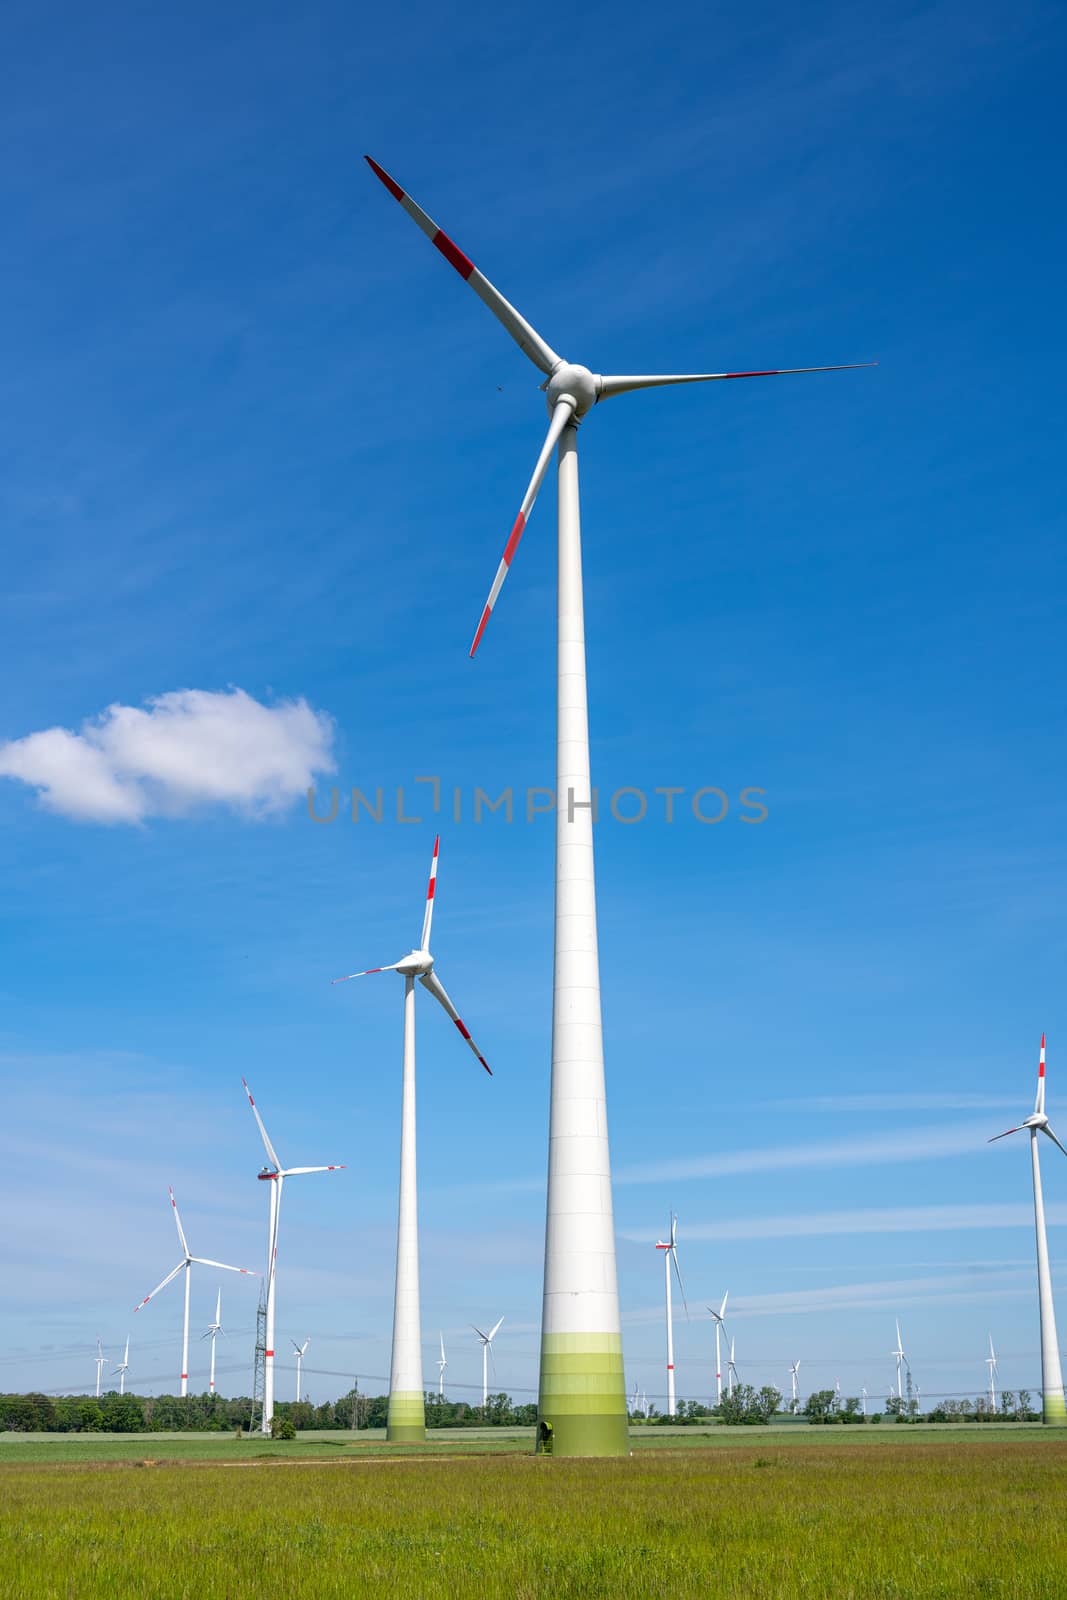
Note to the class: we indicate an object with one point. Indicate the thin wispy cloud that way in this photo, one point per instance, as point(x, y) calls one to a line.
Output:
point(885, 1219)
point(179, 752)
point(898, 1102)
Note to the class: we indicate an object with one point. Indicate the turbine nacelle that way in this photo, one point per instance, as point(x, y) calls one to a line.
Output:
point(415, 964)
point(574, 383)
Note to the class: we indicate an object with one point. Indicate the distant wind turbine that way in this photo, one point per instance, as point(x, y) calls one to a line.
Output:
point(101, 1362)
point(123, 1367)
point(301, 1351)
point(407, 1399)
point(441, 1365)
point(718, 1317)
point(794, 1373)
point(186, 1266)
point(732, 1370)
point(900, 1360)
point(274, 1174)
point(487, 1350)
point(213, 1329)
point(991, 1363)
point(670, 1257)
point(1054, 1410)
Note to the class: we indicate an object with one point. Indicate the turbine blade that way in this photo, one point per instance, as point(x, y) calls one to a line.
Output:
point(528, 339)
point(275, 1163)
point(178, 1222)
point(681, 1286)
point(431, 981)
point(431, 890)
point(1039, 1103)
point(480, 1334)
point(722, 1308)
point(560, 417)
point(624, 385)
point(205, 1261)
point(369, 973)
point(495, 1329)
point(1004, 1135)
point(1052, 1136)
point(168, 1279)
point(290, 1172)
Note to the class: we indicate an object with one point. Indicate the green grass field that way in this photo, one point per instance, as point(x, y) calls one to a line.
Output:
point(788, 1512)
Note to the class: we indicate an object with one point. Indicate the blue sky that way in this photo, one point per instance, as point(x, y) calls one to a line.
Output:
point(259, 438)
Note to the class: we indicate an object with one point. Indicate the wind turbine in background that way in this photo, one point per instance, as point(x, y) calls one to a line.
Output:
point(441, 1365)
point(732, 1370)
point(301, 1351)
point(583, 1393)
point(991, 1363)
point(101, 1362)
point(900, 1360)
point(719, 1319)
point(274, 1174)
point(212, 1332)
point(407, 1400)
point(1053, 1409)
point(670, 1256)
point(123, 1367)
point(794, 1374)
point(865, 1400)
point(186, 1266)
point(487, 1350)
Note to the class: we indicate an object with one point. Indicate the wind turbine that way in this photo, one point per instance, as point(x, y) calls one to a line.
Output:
point(670, 1254)
point(123, 1367)
point(1053, 1408)
point(213, 1329)
point(487, 1350)
point(732, 1370)
point(407, 1400)
point(301, 1350)
point(718, 1317)
point(900, 1359)
point(991, 1363)
point(441, 1365)
point(274, 1174)
point(794, 1373)
point(186, 1266)
point(583, 1392)
point(101, 1362)
point(865, 1400)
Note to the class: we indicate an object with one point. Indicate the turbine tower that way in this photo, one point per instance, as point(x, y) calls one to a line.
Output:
point(274, 1174)
point(582, 1387)
point(407, 1399)
point(301, 1350)
point(670, 1254)
point(718, 1317)
point(101, 1362)
point(487, 1350)
point(794, 1373)
point(212, 1331)
point(898, 1353)
point(123, 1367)
point(1053, 1409)
point(991, 1363)
point(186, 1266)
point(441, 1365)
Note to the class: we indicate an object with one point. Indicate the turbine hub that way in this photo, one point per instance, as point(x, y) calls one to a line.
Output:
point(577, 383)
point(1037, 1120)
point(416, 964)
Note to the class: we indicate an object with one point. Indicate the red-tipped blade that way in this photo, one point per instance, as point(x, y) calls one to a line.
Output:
point(431, 889)
point(527, 338)
point(625, 385)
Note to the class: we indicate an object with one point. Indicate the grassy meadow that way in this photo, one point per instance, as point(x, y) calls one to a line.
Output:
point(787, 1513)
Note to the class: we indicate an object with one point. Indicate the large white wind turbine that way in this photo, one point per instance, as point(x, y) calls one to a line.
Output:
point(407, 1400)
point(301, 1351)
point(274, 1174)
point(991, 1363)
point(582, 1387)
point(124, 1366)
point(441, 1365)
point(900, 1357)
point(719, 1319)
point(211, 1332)
point(487, 1350)
point(101, 1362)
point(1053, 1409)
point(670, 1254)
point(794, 1373)
point(186, 1266)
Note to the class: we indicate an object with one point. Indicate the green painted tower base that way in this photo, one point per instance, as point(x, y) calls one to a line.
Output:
point(582, 1407)
point(406, 1422)
point(1054, 1410)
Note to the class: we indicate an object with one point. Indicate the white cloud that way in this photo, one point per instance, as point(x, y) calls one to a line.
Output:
point(182, 750)
point(958, 1288)
point(888, 1219)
